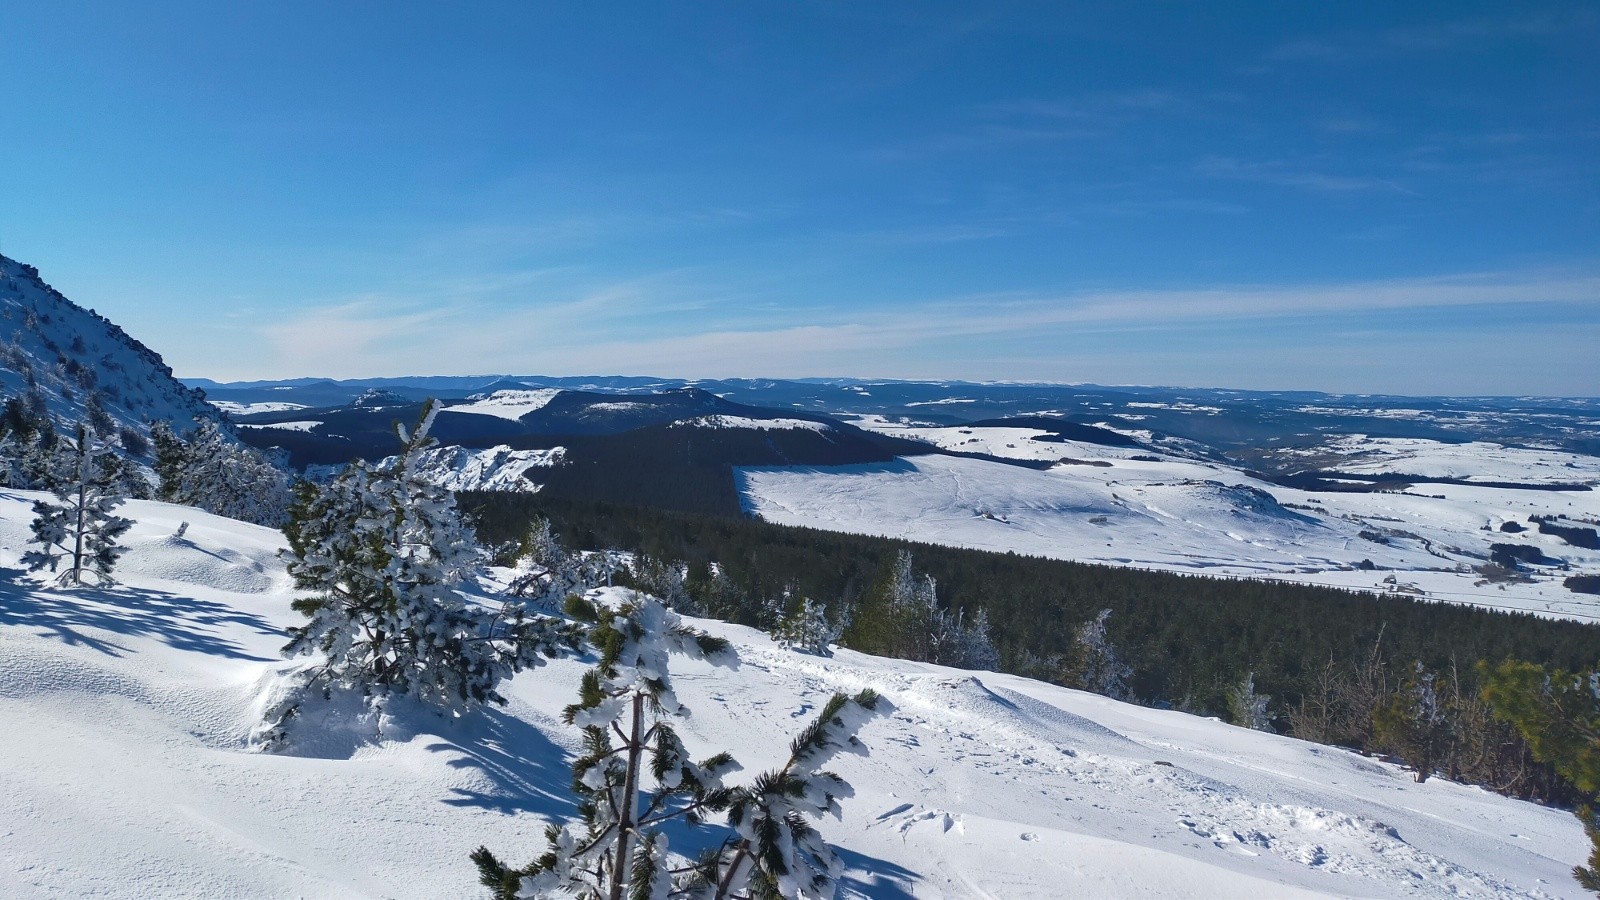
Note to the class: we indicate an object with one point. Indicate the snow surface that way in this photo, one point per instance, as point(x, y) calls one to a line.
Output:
point(720, 421)
point(509, 404)
point(245, 409)
point(1192, 516)
point(298, 425)
point(127, 773)
point(1472, 461)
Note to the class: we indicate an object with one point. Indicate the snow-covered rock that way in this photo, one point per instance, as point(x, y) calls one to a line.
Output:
point(495, 469)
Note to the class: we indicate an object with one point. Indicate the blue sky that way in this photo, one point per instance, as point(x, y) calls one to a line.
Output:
point(1379, 197)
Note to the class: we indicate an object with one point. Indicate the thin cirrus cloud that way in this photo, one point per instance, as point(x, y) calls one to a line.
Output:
point(592, 331)
point(1288, 174)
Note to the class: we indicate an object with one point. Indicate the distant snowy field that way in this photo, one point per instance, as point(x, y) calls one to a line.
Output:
point(245, 409)
point(511, 405)
point(1100, 504)
point(126, 772)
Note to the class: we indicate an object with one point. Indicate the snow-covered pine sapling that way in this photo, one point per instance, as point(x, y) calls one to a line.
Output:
point(383, 551)
point(1094, 664)
point(213, 472)
point(807, 629)
point(624, 708)
point(80, 528)
point(775, 851)
point(1414, 722)
point(1247, 708)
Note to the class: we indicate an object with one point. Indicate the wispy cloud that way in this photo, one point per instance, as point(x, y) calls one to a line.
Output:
point(1294, 175)
point(1442, 36)
point(369, 338)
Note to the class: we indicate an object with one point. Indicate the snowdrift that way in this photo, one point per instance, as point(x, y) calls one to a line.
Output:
point(127, 771)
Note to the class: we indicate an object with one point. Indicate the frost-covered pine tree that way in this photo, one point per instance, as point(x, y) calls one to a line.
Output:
point(807, 629)
point(542, 546)
point(213, 472)
point(967, 645)
point(620, 850)
point(81, 528)
point(383, 552)
point(1094, 664)
point(547, 586)
point(170, 460)
point(900, 615)
point(625, 707)
point(1247, 708)
point(776, 852)
point(1415, 722)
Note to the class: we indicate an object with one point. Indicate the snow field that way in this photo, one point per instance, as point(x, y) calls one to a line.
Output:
point(127, 771)
point(511, 405)
point(1192, 516)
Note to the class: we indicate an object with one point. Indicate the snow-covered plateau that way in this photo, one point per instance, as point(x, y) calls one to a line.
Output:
point(127, 771)
point(1134, 507)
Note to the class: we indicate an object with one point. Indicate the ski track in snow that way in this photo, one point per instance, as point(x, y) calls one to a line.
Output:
point(127, 772)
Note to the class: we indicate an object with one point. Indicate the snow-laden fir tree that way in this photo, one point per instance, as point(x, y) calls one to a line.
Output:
point(383, 551)
point(806, 628)
point(625, 709)
point(775, 852)
point(666, 581)
point(1093, 664)
point(1415, 722)
point(80, 529)
point(967, 644)
point(901, 617)
point(213, 472)
point(1246, 708)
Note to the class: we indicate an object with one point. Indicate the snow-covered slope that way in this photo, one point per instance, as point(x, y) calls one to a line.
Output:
point(1129, 507)
point(70, 352)
point(506, 404)
point(126, 773)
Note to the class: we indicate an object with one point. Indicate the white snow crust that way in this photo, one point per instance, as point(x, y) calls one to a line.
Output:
point(245, 409)
point(720, 421)
point(298, 425)
point(509, 404)
point(126, 772)
point(1100, 504)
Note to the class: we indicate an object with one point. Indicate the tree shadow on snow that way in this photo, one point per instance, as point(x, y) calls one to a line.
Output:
point(529, 772)
point(532, 774)
point(184, 623)
point(867, 876)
